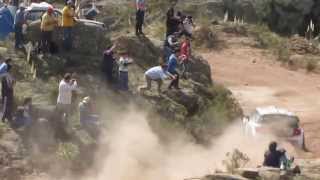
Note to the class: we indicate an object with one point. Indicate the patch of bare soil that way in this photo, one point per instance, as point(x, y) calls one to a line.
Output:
point(257, 79)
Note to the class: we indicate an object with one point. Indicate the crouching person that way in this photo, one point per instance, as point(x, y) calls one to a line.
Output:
point(157, 74)
point(89, 121)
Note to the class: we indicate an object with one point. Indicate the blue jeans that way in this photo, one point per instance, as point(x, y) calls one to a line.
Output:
point(123, 81)
point(18, 36)
point(167, 53)
point(67, 38)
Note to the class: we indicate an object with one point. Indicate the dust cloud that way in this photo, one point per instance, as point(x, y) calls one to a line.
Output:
point(131, 150)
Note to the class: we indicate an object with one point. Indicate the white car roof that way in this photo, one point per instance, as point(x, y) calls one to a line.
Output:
point(38, 6)
point(273, 110)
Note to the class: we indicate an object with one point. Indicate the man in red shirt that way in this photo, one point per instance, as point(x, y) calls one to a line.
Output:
point(185, 54)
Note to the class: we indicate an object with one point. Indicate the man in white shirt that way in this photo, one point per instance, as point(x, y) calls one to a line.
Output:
point(123, 63)
point(158, 74)
point(66, 86)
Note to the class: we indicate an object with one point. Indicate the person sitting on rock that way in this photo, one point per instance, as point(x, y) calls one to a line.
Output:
point(89, 120)
point(157, 74)
point(123, 63)
point(272, 158)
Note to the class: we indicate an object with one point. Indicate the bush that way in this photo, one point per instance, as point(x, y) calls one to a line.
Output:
point(68, 151)
point(283, 53)
point(205, 37)
point(235, 160)
point(312, 65)
point(265, 37)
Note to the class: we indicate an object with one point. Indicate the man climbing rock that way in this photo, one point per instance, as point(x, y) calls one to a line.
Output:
point(68, 22)
point(157, 74)
point(48, 23)
point(140, 5)
point(66, 86)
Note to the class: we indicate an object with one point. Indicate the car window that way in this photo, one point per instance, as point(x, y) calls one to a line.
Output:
point(289, 121)
point(254, 116)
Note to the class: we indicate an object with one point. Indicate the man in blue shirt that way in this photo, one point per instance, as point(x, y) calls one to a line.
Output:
point(4, 67)
point(172, 69)
point(19, 21)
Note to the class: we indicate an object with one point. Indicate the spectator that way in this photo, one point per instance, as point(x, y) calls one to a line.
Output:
point(172, 69)
point(48, 22)
point(140, 5)
point(188, 26)
point(4, 67)
point(170, 43)
point(88, 120)
point(108, 63)
point(19, 22)
point(24, 115)
point(172, 22)
point(157, 74)
point(123, 63)
point(185, 55)
point(68, 22)
point(272, 157)
point(7, 95)
point(66, 86)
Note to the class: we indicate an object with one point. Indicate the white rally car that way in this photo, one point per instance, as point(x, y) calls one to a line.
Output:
point(275, 121)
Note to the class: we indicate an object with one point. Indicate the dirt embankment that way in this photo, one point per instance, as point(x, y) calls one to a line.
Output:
point(256, 79)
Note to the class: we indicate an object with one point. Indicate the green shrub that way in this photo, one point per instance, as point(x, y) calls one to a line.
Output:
point(265, 37)
point(68, 151)
point(283, 53)
point(235, 160)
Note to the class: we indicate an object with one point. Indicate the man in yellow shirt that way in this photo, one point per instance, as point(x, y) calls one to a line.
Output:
point(48, 23)
point(68, 15)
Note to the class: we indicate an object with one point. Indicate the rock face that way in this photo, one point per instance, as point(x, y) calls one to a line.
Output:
point(88, 38)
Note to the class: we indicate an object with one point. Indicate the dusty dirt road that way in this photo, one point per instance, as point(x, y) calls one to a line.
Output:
point(256, 79)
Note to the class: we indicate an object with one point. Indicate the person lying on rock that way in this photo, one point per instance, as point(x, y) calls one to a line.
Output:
point(88, 119)
point(123, 63)
point(157, 74)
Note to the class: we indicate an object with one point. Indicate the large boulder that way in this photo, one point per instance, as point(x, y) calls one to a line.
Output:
point(88, 38)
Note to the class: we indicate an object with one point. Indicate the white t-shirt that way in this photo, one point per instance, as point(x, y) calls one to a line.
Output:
point(187, 25)
point(123, 64)
point(65, 92)
point(156, 73)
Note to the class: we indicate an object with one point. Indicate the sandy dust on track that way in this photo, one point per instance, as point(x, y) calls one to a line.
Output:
point(256, 79)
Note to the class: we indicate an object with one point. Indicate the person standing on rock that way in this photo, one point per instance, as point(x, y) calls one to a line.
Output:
point(141, 7)
point(157, 74)
point(170, 43)
point(48, 23)
point(66, 87)
point(68, 22)
point(185, 55)
point(172, 22)
point(7, 95)
point(123, 63)
point(19, 22)
point(108, 63)
point(172, 69)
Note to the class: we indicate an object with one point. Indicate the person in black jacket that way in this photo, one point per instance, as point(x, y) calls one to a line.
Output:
point(172, 22)
point(108, 63)
point(7, 95)
point(272, 158)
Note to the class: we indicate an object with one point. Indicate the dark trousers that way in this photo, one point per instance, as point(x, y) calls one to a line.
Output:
point(18, 36)
point(175, 82)
point(7, 108)
point(139, 21)
point(67, 38)
point(123, 81)
point(46, 40)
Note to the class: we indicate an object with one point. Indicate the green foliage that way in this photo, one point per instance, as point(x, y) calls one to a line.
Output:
point(204, 37)
point(68, 151)
point(283, 53)
point(265, 37)
point(3, 128)
point(235, 160)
